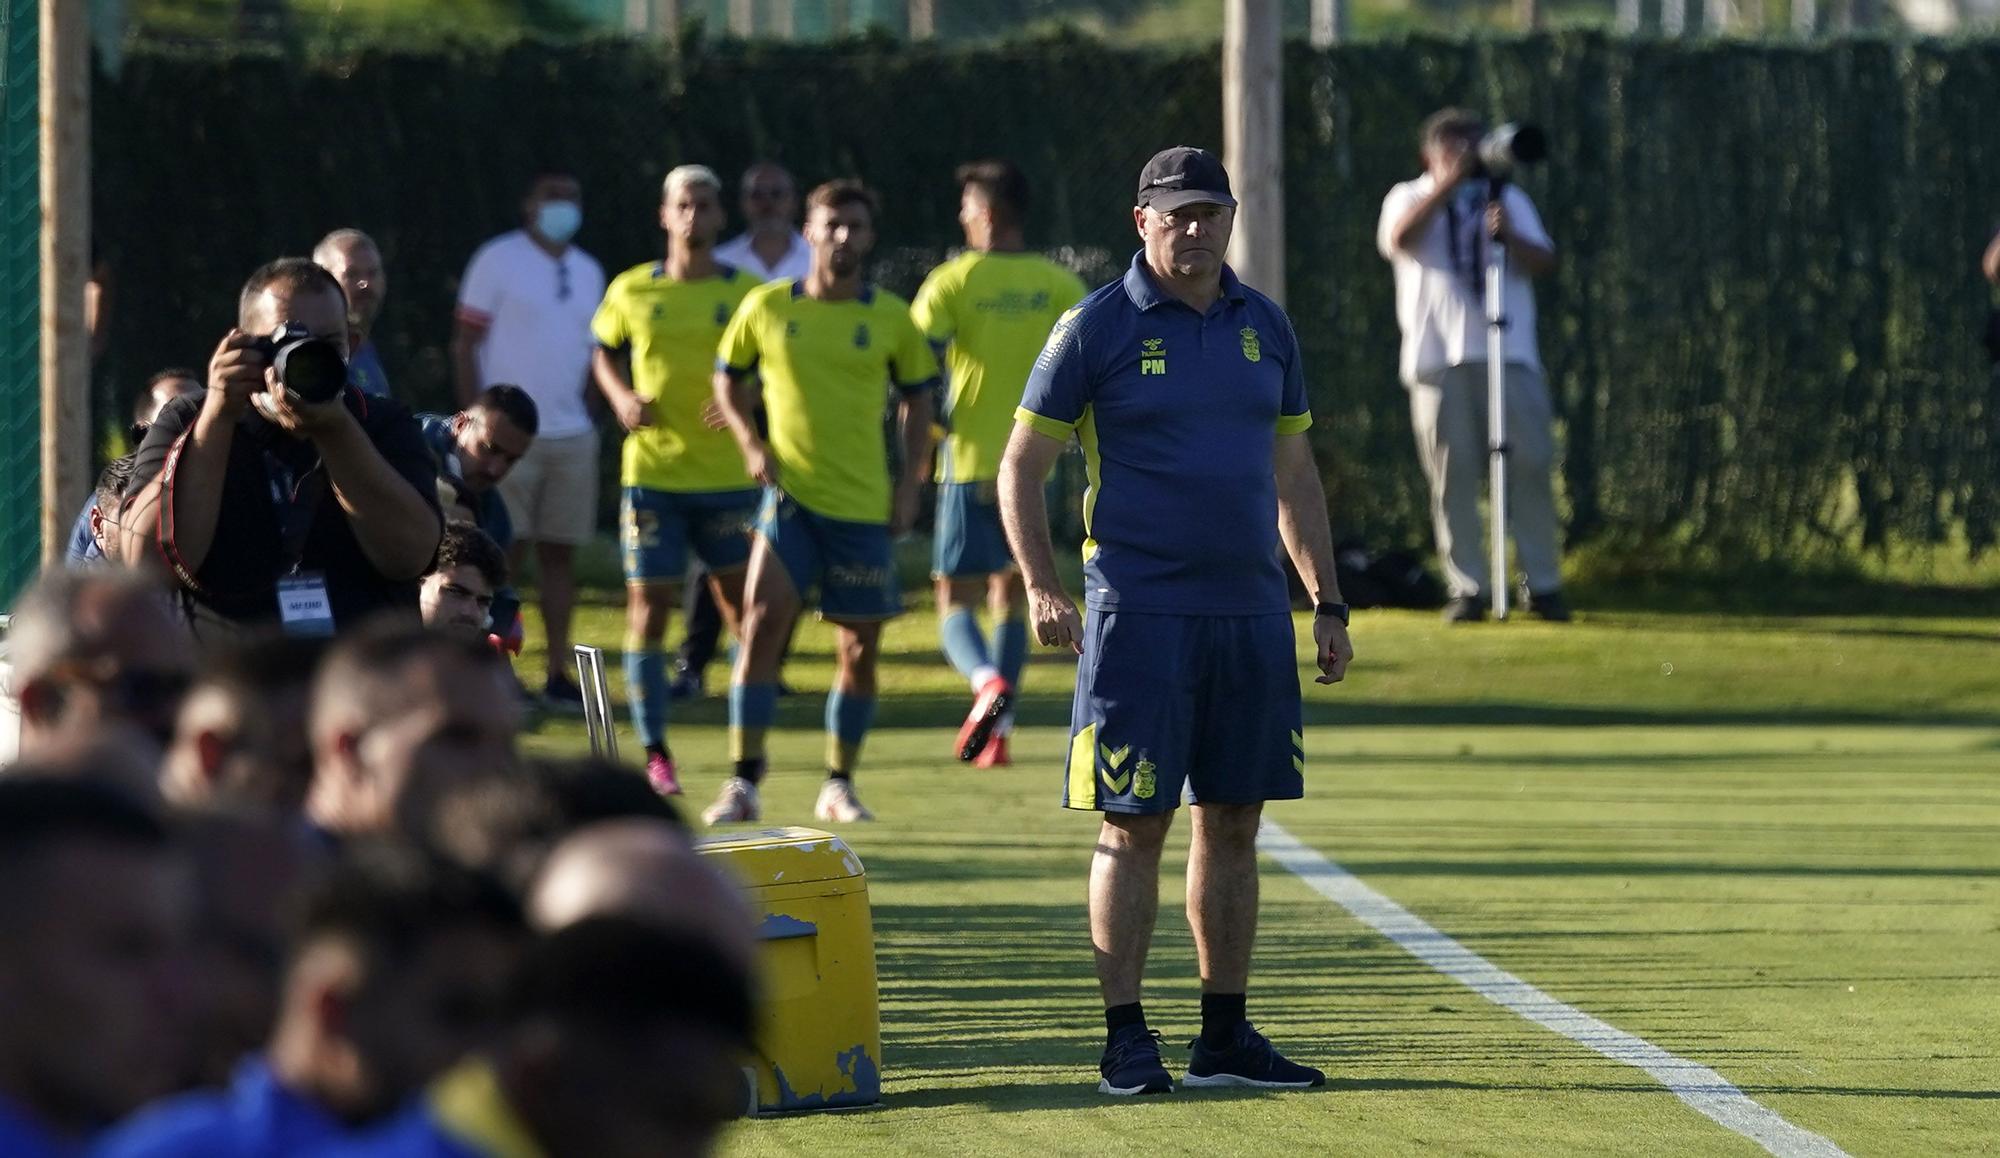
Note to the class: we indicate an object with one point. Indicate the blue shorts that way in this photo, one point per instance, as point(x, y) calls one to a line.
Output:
point(1206, 701)
point(657, 528)
point(849, 562)
point(968, 540)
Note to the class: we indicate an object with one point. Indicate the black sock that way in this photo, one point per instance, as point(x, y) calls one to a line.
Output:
point(1221, 1013)
point(1117, 1017)
point(833, 774)
point(751, 769)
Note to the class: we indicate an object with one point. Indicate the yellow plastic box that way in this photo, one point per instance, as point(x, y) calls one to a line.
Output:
point(819, 1037)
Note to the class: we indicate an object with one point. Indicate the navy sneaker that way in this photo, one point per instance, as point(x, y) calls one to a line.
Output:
point(1250, 1061)
point(1132, 1064)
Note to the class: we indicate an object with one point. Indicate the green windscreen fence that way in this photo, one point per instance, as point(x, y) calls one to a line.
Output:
point(20, 303)
point(1764, 339)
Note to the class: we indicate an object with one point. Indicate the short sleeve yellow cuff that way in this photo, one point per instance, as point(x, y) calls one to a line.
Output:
point(1042, 425)
point(1295, 423)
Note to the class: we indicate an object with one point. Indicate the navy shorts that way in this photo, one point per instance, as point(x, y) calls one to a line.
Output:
point(849, 562)
point(1210, 702)
point(968, 539)
point(657, 529)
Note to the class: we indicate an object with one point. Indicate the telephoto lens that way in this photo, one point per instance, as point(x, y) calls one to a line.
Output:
point(1510, 145)
point(309, 367)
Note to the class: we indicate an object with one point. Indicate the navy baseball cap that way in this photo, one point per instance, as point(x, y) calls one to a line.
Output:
point(1184, 176)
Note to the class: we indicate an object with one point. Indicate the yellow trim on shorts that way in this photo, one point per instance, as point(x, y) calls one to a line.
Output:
point(1083, 769)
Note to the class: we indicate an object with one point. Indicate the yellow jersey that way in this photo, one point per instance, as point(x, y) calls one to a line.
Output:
point(995, 311)
point(826, 369)
point(670, 329)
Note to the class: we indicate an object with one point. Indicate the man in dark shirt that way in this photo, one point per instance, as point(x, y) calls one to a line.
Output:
point(265, 507)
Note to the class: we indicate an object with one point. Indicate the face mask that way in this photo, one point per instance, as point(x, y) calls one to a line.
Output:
point(558, 220)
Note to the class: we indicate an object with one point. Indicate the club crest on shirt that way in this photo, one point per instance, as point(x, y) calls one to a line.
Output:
point(861, 336)
point(659, 310)
point(1253, 350)
point(1152, 355)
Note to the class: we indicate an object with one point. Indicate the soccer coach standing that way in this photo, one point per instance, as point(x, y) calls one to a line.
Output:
point(1185, 388)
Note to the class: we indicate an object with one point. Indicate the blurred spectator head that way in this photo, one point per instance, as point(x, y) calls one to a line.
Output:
point(606, 1059)
point(93, 908)
point(992, 201)
point(492, 434)
point(354, 261)
point(552, 207)
point(162, 388)
point(400, 716)
point(507, 826)
point(240, 738)
point(249, 866)
point(770, 200)
point(648, 870)
point(457, 595)
point(98, 657)
point(402, 965)
point(106, 501)
point(691, 207)
point(1446, 133)
point(294, 289)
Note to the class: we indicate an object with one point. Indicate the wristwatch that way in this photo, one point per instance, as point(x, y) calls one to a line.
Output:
point(1337, 610)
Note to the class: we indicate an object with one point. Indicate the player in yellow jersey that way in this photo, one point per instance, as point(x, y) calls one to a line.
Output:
point(988, 311)
point(822, 349)
point(684, 485)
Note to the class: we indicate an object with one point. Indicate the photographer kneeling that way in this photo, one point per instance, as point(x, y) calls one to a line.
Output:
point(280, 494)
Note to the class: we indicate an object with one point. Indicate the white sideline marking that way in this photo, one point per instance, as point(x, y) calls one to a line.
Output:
point(1697, 1085)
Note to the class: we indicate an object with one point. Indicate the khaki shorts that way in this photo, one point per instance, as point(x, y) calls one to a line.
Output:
point(552, 492)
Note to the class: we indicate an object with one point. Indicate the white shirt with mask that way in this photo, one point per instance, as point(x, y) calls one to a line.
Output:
point(738, 253)
point(536, 309)
point(1441, 279)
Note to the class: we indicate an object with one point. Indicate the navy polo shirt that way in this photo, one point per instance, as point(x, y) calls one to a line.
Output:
point(1178, 413)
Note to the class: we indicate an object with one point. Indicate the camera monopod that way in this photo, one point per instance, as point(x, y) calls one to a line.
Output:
point(1499, 152)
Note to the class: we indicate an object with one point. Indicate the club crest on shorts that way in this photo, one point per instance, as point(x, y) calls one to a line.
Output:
point(1253, 350)
point(1144, 782)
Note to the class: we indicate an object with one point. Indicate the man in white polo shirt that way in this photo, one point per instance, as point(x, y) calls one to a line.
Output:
point(523, 319)
point(1435, 231)
point(770, 246)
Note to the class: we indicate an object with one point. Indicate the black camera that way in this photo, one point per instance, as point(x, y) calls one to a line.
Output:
point(1508, 146)
point(309, 367)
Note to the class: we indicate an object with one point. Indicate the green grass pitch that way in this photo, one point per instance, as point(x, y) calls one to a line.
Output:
point(1770, 846)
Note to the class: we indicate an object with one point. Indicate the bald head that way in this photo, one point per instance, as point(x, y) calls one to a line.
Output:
point(770, 200)
point(354, 260)
point(645, 869)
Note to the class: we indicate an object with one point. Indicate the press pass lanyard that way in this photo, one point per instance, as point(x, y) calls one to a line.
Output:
point(303, 607)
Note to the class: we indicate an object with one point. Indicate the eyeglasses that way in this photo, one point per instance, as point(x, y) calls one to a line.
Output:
point(483, 602)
